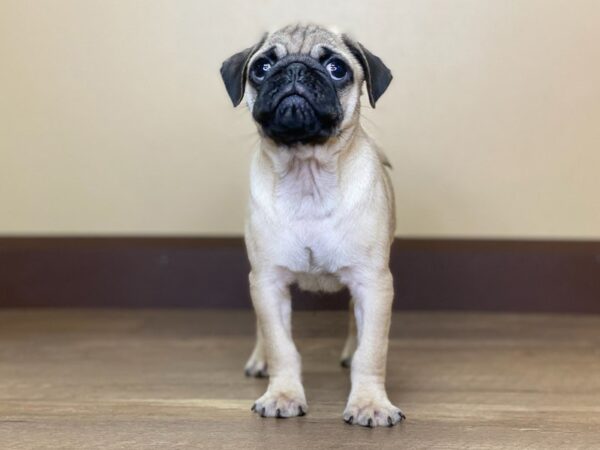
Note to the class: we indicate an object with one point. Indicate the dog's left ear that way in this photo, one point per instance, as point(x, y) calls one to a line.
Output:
point(234, 70)
point(377, 75)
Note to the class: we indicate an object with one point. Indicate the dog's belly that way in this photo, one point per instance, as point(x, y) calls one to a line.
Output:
point(318, 282)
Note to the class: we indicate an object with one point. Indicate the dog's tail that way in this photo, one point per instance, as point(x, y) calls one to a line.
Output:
point(383, 157)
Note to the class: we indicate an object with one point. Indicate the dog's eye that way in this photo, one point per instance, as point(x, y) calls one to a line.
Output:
point(337, 69)
point(260, 68)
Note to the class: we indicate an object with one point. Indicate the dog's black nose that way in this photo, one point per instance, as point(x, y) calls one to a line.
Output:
point(296, 71)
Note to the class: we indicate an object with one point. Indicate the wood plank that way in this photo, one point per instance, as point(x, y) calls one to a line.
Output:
point(111, 379)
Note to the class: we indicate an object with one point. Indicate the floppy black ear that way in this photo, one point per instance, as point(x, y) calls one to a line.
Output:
point(234, 69)
point(377, 75)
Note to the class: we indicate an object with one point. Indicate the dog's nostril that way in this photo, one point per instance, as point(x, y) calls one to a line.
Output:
point(296, 71)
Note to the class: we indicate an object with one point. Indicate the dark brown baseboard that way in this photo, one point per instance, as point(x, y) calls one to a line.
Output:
point(429, 274)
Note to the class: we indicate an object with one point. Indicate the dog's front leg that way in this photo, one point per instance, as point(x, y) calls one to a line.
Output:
point(272, 303)
point(368, 403)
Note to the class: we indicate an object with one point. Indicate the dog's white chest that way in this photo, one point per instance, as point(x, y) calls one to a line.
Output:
point(307, 188)
point(306, 259)
point(306, 197)
point(311, 247)
point(315, 216)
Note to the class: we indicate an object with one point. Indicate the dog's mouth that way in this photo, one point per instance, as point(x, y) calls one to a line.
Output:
point(294, 112)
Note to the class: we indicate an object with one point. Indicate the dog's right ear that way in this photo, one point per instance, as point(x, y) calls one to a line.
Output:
point(234, 70)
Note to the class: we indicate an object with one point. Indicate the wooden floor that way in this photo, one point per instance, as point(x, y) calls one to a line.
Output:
point(174, 379)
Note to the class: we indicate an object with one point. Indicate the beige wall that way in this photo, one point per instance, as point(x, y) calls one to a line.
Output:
point(113, 118)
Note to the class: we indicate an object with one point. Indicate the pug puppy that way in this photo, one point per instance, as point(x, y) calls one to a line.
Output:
point(321, 210)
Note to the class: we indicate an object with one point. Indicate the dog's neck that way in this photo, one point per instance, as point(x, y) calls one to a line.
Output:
point(306, 177)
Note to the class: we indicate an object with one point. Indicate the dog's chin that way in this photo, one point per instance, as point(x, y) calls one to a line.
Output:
point(295, 121)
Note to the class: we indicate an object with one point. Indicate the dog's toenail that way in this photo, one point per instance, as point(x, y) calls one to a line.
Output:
point(262, 413)
point(349, 420)
point(253, 407)
point(390, 422)
point(370, 423)
point(301, 413)
point(278, 413)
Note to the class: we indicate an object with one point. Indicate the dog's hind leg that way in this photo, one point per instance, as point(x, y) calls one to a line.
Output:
point(351, 340)
point(257, 363)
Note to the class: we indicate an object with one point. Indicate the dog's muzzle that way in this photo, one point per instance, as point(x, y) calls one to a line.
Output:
point(298, 103)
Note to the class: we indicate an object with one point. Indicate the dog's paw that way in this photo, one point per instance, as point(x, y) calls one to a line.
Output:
point(256, 368)
point(348, 351)
point(281, 404)
point(346, 362)
point(372, 413)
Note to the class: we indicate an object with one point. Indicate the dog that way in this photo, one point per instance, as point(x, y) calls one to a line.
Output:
point(321, 209)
